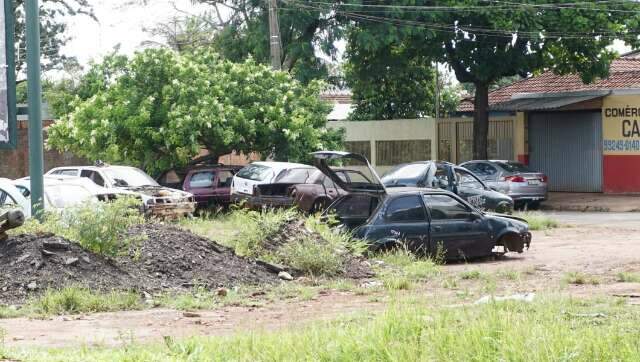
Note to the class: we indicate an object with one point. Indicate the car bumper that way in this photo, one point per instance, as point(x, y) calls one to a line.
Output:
point(262, 201)
point(171, 210)
point(528, 197)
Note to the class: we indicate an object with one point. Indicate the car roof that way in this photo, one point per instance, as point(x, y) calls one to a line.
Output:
point(408, 190)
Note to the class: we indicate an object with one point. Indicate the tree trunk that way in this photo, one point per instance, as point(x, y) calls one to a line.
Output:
point(481, 121)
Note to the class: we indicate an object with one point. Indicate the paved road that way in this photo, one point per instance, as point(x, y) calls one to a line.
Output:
point(597, 218)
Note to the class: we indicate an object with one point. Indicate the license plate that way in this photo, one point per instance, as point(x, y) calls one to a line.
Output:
point(534, 182)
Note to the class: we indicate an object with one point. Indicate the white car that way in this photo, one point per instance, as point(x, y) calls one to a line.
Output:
point(259, 173)
point(12, 198)
point(158, 200)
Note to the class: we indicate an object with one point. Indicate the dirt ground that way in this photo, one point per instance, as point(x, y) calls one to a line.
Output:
point(573, 201)
point(598, 249)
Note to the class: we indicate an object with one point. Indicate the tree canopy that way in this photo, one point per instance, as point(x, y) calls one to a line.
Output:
point(484, 41)
point(159, 109)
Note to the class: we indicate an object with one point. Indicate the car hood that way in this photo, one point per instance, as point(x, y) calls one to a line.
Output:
point(508, 220)
point(321, 159)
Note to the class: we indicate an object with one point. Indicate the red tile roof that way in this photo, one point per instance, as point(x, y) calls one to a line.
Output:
point(624, 73)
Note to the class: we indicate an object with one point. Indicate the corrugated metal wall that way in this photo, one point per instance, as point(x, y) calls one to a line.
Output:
point(567, 147)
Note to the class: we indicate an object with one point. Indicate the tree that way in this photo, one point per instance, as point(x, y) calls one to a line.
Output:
point(393, 82)
point(184, 34)
point(305, 33)
point(484, 41)
point(53, 31)
point(160, 108)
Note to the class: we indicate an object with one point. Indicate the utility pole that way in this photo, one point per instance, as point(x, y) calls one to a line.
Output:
point(437, 92)
point(34, 96)
point(274, 36)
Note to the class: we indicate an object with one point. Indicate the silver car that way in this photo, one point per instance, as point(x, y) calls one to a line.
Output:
point(526, 187)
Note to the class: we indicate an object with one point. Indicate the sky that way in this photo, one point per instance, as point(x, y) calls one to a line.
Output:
point(122, 22)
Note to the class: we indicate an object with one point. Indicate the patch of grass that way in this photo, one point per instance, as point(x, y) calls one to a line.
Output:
point(311, 257)
point(578, 278)
point(74, 300)
point(509, 274)
point(397, 282)
point(538, 220)
point(470, 275)
point(552, 329)
point(450, 282)
point(626, 277)
point(99, 227)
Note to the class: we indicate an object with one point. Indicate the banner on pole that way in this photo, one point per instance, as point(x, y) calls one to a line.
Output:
point(8, 136)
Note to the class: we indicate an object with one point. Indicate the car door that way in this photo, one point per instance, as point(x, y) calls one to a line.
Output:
point(201, 185)
point(405, 222)
point(470, 188)
point(457, 229)
point(223, 186)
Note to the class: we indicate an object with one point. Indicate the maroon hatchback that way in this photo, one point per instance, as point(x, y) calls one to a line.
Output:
point(209, 184)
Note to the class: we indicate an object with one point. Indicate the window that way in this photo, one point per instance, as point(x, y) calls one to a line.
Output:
point(66, 172)
point(513, 166)
point(481, 169)
point(466, 179)
point(327, 182)
point(295, 176)
point(356, 205)
point(93, 176)
point(445, 207)
point(129, 176)
point(405, 209)
point(389, 153)
point(406, 175)
point(224, 178)
point(23, 190)
point(355, 176)
point(202, 179)
point(255, 172)
point(6, 200)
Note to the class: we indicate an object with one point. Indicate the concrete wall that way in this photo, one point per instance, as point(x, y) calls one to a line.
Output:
point(390, 130)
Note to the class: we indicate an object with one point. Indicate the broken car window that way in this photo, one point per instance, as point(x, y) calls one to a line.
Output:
point(93, 176)
point(405, 175)
point(129, 177)
point(406, 209)
point(255, 172)
point(224, 178)
point(201, 179)
point(466, 179)
point(445, 207)
point(6, 200)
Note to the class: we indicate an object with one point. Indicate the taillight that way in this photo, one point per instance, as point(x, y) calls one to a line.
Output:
point(515, 179)
point(545, 178)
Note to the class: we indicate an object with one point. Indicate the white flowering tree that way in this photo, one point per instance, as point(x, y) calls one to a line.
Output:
point(159, 109)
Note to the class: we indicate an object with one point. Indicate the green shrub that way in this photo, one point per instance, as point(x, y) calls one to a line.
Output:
point(538, 220)
point(579, 278)
point(312, 257)
point(626, 277)
point(99, 227)
point(470, 275)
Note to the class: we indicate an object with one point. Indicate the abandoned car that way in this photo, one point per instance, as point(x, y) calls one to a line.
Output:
point(308, 189)
point(429, 221)
point(447, 176)
point(210, 184)
point(244, 183)
point(526, 187)
point(157, 200)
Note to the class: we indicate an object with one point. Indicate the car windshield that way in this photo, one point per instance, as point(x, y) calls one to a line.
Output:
point(405, 175)
point(295, 176)
point(513, 166)
point(129, 177)
point(255, 172)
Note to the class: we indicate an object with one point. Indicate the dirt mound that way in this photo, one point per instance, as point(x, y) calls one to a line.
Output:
point(31, 264)
point(174, 257)
point(295, 229)
point(167, 258)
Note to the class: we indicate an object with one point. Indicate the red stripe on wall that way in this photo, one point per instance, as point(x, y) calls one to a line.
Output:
point(523, 159)
point(621, 173)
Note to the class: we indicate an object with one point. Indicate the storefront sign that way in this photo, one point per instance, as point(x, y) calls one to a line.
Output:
point(621, 124)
